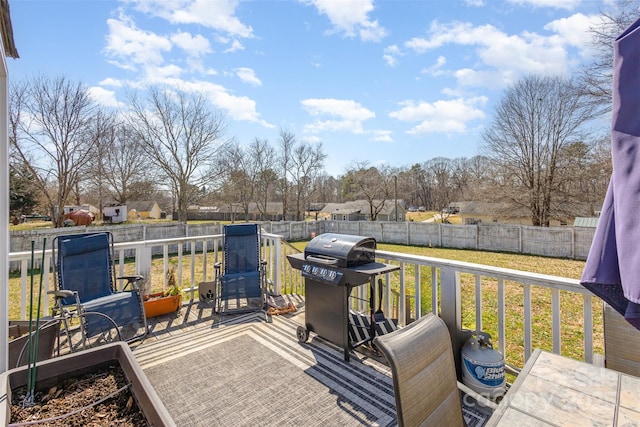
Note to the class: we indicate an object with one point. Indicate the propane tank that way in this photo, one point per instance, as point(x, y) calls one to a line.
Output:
point(483, 367)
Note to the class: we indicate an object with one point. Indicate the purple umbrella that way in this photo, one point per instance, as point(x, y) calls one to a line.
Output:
point(612, 271)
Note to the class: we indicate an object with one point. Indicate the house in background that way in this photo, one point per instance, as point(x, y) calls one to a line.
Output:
point(359, 210)
point(235, 212)
point(475, 212)
point(144, 210)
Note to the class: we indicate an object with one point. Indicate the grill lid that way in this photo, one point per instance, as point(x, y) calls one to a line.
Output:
point(341, 250)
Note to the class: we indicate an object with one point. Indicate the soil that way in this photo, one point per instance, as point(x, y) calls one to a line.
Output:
point(78, 392)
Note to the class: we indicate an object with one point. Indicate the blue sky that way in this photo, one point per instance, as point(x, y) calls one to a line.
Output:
point(393, 82)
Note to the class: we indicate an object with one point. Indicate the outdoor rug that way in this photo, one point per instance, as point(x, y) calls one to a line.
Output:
point(248, 372)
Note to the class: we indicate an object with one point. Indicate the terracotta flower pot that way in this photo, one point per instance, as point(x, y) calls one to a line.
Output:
point(158, 304)
point(51, 372)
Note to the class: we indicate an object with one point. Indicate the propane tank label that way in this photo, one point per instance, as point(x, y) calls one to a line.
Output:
point(489, 375)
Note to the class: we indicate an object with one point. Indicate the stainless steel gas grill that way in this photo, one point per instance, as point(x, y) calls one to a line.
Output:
point(332, 265)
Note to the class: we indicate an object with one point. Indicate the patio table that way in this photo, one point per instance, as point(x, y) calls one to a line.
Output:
point(558, 391)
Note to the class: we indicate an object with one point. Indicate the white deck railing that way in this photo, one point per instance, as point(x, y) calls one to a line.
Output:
point(491, 291)
point(451, 277)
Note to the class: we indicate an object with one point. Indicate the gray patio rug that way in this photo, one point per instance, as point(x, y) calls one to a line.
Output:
point(248, 372)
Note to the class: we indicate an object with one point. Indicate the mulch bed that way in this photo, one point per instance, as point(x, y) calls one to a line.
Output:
point(76, 393)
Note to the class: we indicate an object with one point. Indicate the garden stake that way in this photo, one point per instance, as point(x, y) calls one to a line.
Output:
point(34, 335)
point(28, 400)
point(37, 332)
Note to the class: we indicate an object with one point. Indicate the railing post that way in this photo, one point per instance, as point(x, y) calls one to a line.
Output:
point(451, 311)
point(277, 271)
point(402, 298)
point(143, 262)
point(450, 299)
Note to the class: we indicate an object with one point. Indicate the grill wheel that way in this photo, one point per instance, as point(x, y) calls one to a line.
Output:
point(303, 334)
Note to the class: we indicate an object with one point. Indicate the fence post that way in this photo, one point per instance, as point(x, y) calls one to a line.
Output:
point(520, 239)
point(477, 236)
point(408, 240)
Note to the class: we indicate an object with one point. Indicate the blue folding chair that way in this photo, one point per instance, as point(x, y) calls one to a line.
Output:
point(241, 286)
point(86, 288)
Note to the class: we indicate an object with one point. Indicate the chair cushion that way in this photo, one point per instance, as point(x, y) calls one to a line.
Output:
point(241, 285)
point(123, 307)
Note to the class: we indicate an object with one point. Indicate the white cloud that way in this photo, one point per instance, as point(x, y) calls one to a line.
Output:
point(344, 108)
point(344, 115)
point(351, 17)
point(247, 75)
point(382, 135)
point(435, 69)
point(104, 97)
point(195, 46)
point(218, 15)
point(449, 116)
point(240, 108)
point(313, 139)
point(129, 46)
point(555, 4)
point(493, 79)
point(507, 57)
point(391, 54)
point(111, 82)
point(574, 30)
point(164, 72)
point(474, 3)
point(234, 47)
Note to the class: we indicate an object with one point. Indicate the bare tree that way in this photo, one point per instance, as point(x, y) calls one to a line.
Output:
point(535, 120)
point(286, 143)
point(123, 162)
point(597, 76)
point(237, 185)
point(328, 190)
point(182, 136)
point(421, 181)
point(307, 164)
point(261, 155)
point(375, 185)
point(480, 170)
point(51, 120)
point(440, 172)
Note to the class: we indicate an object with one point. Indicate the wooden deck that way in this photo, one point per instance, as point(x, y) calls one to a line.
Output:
point(194, 315)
